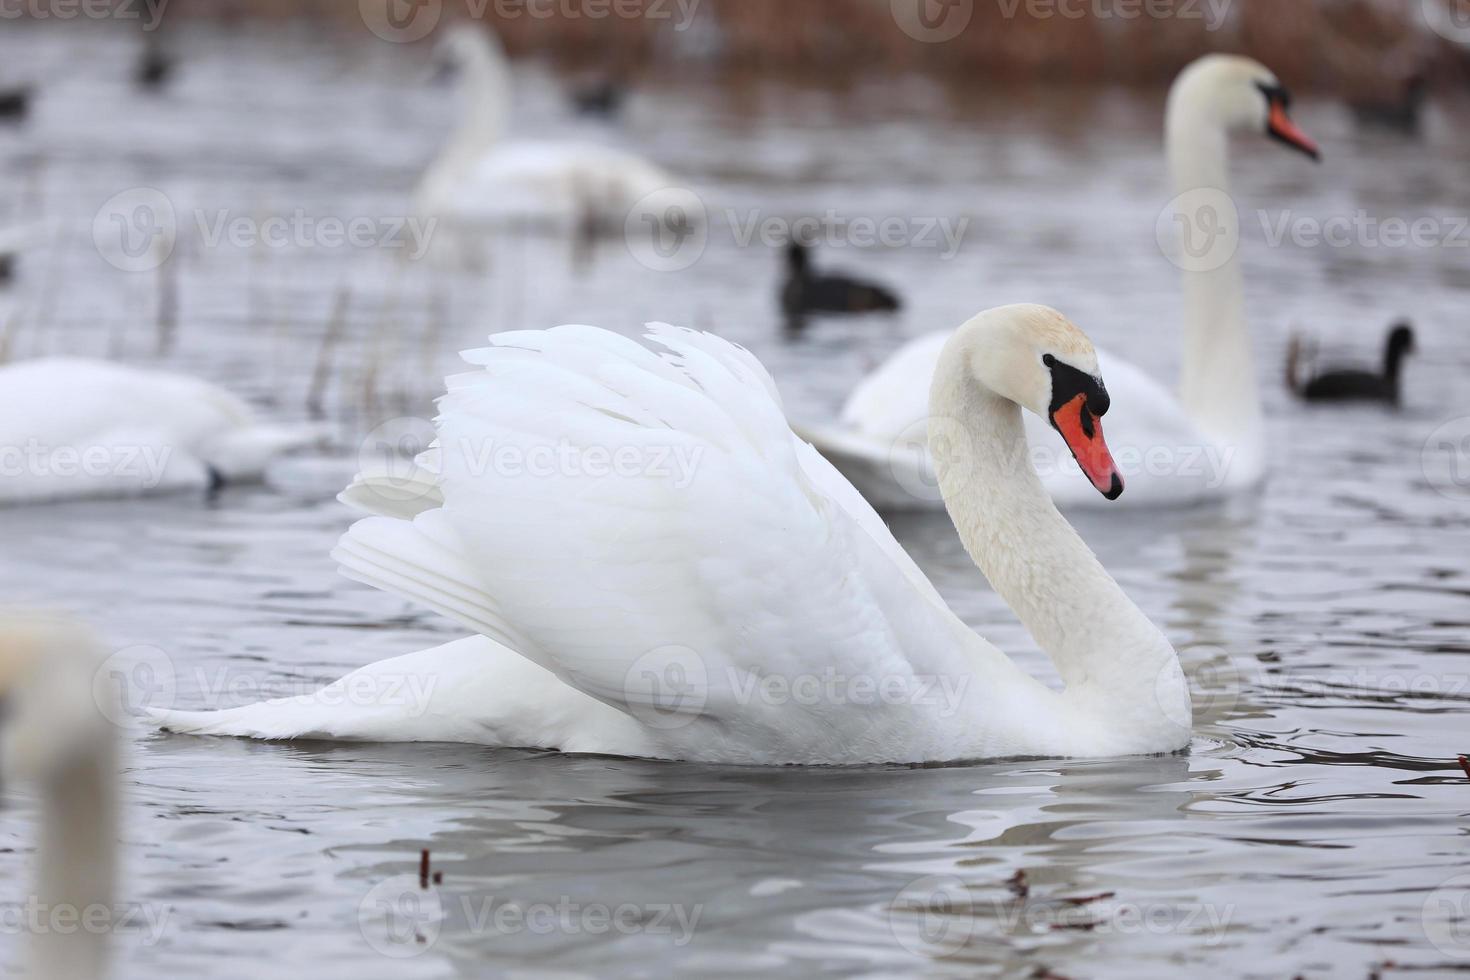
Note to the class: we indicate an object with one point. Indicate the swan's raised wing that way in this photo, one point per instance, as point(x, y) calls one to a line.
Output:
point(646, 526)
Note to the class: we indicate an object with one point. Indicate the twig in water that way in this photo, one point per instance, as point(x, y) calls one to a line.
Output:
point(1018, 884)
point(168, 304)
point(321, 374)
point(1465, 764)
point(1088, 899)
point(424, 869)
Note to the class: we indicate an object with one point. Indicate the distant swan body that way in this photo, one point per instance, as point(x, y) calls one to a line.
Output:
point(656, 566)
point(481, 180)
point(74, 428)
point(1205, 443)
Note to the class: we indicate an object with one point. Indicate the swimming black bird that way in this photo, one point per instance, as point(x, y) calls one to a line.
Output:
point(807, 292)
point(1400, 113)
point(603, 97)
point(154, 67)
point(15, 103)
point(1352, 384)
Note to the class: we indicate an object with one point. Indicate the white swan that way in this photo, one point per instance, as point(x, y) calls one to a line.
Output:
point(656, 566)
point(481, 180)
point(54, 734)
point(1208, 441)
point(75, 428)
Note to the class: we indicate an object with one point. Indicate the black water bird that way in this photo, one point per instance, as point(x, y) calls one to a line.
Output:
point(1354, 384)
point(154, 68)
point(1400, 112)
point(806, 292)
point(603, 97)
point(15, 103)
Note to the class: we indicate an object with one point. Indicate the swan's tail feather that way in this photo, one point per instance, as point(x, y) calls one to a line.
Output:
point(418, 561)
point(471, 691)
point(396, 488)
point(413, 698)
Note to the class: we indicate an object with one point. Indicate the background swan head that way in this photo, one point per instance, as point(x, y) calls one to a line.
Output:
point(467, 47)
point(1036, 357)
point(1233, 94)
point(49, 720)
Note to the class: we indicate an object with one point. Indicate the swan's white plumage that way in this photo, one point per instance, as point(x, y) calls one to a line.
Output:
point(758, 557)
point(482, 180)
point(549, 185)
point(721, 545)
point(1208, 441)
point(73, 428)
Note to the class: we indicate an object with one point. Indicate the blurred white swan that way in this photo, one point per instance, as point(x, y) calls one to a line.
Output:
point(480, 179)
point(74, 428)
point(55, 737)
point(656, 566)
point(1207, 441)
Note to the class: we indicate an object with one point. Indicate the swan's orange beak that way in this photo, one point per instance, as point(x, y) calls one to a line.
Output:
point(1282, 128)
point(1083, 432)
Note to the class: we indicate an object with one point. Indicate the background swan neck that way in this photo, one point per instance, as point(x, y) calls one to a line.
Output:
point(75, 865)
point(484, 105)
point(1217, 385)
point(1101, 643)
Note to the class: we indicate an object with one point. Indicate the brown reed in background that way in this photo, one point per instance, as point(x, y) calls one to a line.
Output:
point(1352, 45)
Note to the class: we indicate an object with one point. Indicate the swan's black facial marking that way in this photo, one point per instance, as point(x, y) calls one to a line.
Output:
point(1278, 121)
point(1067, 382)
point(1078, 401)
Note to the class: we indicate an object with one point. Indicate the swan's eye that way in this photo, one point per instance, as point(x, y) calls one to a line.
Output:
point(1049, 361)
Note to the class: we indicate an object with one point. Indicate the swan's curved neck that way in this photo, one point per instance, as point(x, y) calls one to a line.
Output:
point(1108, 653)
point(484, 97)
point(1217, 384)
point(75, 867)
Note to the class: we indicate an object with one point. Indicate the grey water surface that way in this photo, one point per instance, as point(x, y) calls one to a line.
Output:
point(1318, 824)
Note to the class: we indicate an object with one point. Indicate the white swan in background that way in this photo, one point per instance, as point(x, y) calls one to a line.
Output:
point(656, 566)
point(54, 735)
point(480, 179)
point(1206, 442)
point(75, 428)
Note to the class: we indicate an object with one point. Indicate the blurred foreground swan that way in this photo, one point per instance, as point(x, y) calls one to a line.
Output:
point(74, 428)
point(1208, 441)
point(656, 566)
point(55, 737)
point(480, 179)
